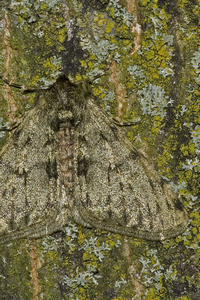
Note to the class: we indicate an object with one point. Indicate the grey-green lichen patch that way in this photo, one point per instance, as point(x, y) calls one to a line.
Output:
point(37, 34)
point(15, 267)
point(181, 145)
point(81, 263)
point(196, 65)
point(34, 35)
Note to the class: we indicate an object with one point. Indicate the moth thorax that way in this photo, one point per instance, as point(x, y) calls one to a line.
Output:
point(66, 156)
point(65, 118)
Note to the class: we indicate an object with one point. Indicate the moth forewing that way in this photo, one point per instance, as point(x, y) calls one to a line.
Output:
point(121, 191)
point(29, 177)
point(67, 161)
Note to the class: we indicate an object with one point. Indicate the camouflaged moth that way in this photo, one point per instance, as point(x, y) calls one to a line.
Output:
point(68, 161)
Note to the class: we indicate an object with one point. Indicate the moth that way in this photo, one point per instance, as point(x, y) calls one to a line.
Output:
point(68, 161)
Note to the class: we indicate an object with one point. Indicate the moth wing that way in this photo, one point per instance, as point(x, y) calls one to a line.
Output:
point(116, 187)
point(29, 179)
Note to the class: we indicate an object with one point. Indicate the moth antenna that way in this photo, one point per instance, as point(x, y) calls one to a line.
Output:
point(102, 73)
point(4, 128)
point(91, 79)
point(125, 124)
point(25, 90)
point(17, 86)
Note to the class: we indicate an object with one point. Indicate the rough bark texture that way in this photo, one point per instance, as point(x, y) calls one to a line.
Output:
point(150, 53)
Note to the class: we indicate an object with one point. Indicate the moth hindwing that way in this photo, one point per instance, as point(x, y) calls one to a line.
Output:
point(68, 161)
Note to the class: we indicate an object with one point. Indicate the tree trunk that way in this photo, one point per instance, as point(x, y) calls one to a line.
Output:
point(143, 58)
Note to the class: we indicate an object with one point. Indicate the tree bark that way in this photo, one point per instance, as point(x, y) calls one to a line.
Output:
point(149, 55)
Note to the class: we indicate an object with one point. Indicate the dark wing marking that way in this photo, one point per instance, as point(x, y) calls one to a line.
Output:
point(117, 188)
point(31, 193)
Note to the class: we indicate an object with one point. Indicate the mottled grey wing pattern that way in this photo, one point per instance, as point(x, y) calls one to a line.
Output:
point(117, 188)
point(68, 161)
point(30, 187)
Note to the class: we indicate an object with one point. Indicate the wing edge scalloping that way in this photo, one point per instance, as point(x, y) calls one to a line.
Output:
point(141, 234)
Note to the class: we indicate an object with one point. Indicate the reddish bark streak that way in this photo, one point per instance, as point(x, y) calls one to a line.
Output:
point(119, 89)
point(136, 27)
point(134, 272)
point(35, 280)
point(7, 45)
point(8, 55)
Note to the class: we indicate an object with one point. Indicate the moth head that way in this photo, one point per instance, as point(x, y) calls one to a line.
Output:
point(65, 116)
